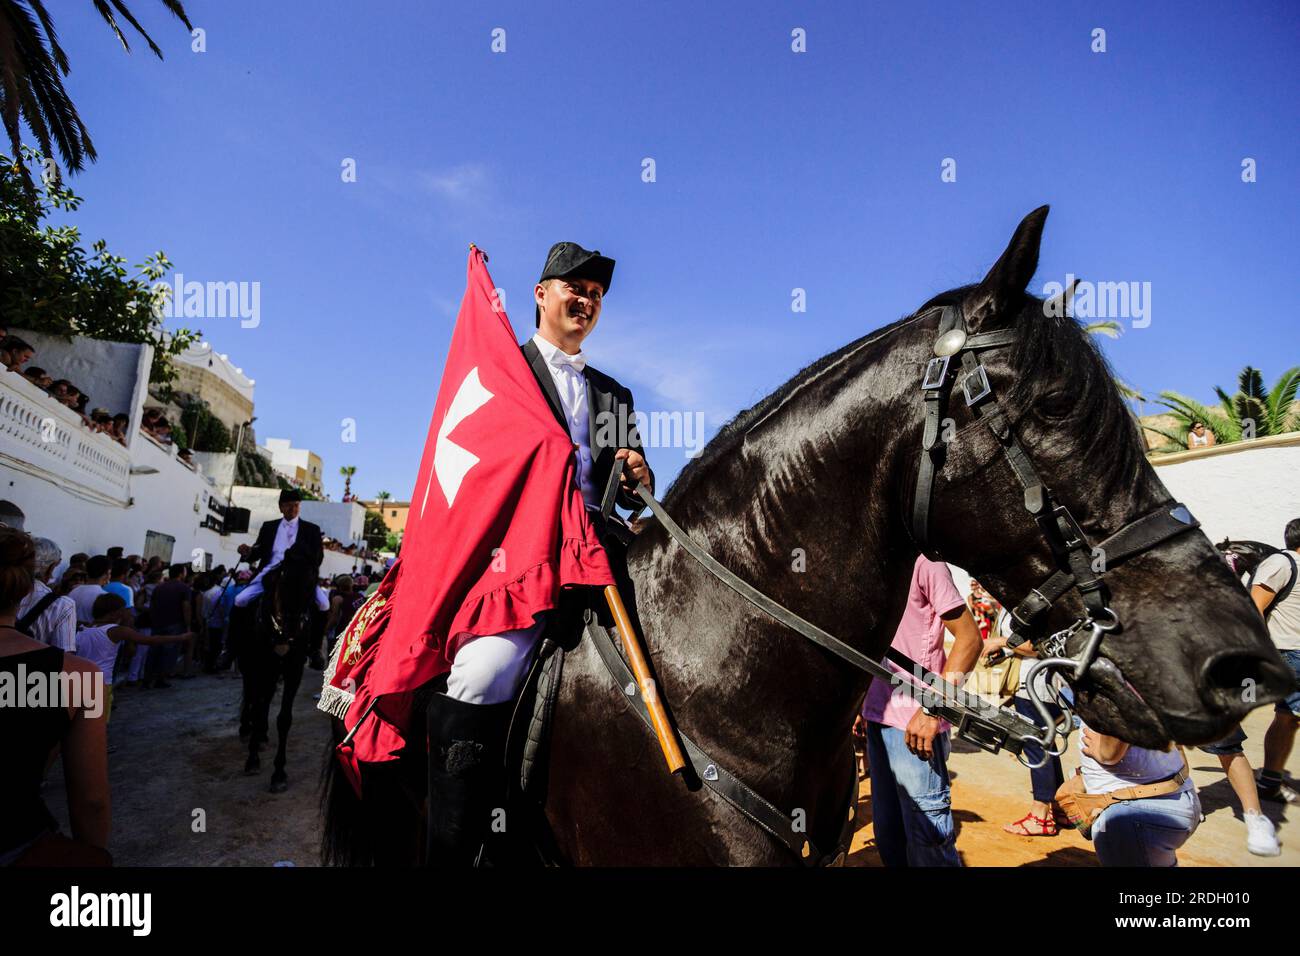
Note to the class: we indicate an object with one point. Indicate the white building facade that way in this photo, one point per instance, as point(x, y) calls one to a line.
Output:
point(86, 491)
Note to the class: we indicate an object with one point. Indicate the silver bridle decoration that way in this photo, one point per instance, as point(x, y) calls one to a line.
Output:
point(1053, 662)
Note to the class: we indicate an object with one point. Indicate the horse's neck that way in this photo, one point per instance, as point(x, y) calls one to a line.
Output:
point(807, 512)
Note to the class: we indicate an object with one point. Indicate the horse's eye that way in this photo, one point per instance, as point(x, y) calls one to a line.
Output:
point(1055, 406)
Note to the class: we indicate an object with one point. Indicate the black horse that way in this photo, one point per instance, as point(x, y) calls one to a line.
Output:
point(276, 650)
point(808, 496)
point(1244, 556)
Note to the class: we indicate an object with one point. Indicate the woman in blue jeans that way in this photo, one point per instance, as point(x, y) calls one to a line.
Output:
point(1045, 778)
point(1144, 832)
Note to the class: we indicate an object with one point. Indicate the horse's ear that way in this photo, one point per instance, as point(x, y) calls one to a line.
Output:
point(989, 302)
point(1059, 304)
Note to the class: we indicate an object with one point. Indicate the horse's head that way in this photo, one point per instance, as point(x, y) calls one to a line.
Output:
point(1191, 654)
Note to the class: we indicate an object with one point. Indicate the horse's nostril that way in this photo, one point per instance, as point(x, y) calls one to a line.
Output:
point(1237, 682)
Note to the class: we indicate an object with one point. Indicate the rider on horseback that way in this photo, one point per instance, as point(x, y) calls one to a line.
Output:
point(468, 722)
point(288, 536)
point(284, 538)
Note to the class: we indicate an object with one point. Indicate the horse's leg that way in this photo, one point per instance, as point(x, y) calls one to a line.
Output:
point(245, 700)
point(292, 666)
point(240, 649)
point(262, 688)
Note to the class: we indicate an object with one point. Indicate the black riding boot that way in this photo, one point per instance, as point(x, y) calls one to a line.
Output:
point(466, 777)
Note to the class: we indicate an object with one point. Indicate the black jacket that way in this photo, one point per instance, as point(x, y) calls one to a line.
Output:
point(307, 547)
point(607, 402)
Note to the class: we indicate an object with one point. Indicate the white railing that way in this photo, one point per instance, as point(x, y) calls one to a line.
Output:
point(44, 437)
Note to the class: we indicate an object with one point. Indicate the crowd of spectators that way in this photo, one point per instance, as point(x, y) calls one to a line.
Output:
point(130, 622)
point(15, 353)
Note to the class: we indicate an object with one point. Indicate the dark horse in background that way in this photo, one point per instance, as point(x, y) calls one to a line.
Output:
point(1244, 556)
point(275, 650)
point(826, 467)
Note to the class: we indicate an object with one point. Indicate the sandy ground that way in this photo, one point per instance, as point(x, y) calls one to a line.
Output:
point(991, 790)
point(180, 796)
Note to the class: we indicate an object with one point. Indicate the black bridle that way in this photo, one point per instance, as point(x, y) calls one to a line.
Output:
point(1075, 556)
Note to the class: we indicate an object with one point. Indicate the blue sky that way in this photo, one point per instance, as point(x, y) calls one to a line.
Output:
point(775, 171)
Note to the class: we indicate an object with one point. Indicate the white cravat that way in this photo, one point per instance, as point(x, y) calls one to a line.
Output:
point(285, 536)
point(566, 372)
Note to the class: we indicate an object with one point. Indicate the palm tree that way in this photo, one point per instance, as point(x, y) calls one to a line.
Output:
point(347, 471)
point(1251, 413)
point(382, 497)
point(32, 65)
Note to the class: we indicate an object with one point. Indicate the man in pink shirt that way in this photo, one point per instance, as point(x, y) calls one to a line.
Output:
point(911, 799)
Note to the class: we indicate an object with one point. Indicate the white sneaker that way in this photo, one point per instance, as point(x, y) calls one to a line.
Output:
point(1261, 838)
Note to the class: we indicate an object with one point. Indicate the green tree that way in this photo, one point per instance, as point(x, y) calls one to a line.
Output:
point(1252, 412)
point(200, 430)
point(285, 485)
point(32, 67)
point(50, 284)
point(347, 471)
point(374, 530)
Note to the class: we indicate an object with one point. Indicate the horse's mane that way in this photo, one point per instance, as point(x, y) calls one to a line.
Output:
point(1049, 352)
point(730, 435)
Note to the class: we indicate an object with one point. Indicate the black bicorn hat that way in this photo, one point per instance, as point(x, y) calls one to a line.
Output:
point(568, 260)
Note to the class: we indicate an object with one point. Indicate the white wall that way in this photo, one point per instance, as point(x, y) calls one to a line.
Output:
point(114, 374)
point(218, 466)
point(336, 563)
point(88, 493)
point(174, 500)
point(342, 521)
point(1248, 490)
point(345, 522)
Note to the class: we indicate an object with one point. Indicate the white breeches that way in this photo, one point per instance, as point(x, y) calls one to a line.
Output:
point(489, 669)
point(253, 591)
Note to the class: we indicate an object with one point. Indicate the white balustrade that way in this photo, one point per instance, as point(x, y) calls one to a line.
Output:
point(44, 437)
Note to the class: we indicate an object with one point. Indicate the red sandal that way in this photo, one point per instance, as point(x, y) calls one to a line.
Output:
point(1046, 826)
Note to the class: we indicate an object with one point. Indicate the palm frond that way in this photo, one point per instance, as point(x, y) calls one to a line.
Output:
point(31, 87)
point(52, 38)
point(105, 11)
point(1251, 383)
point(47, 107)
point(1252, 413)
point(1108, 327)
point(1281, 401)
point(32, 64)
point(1175, 441)
point(1188, 410)
point(1177, 437)
point(1129, 392)
point(1227, 403)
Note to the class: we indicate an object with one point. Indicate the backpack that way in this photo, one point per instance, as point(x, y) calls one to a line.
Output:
point(28, 620)
point(1281, 595)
